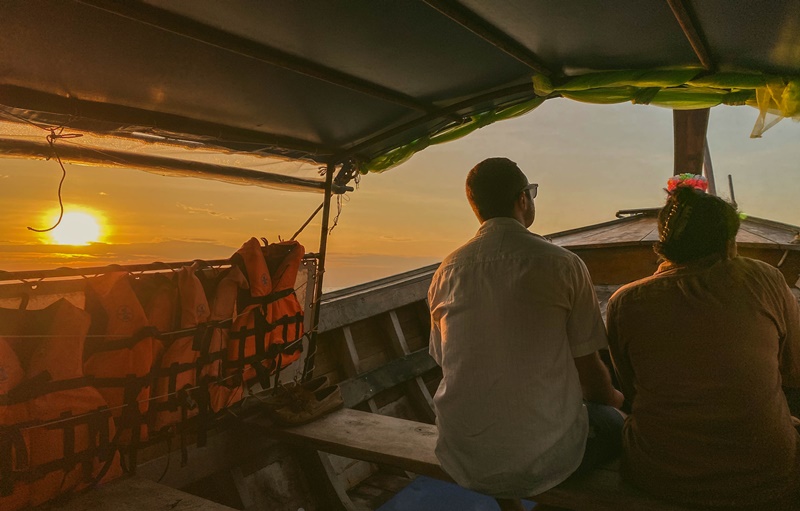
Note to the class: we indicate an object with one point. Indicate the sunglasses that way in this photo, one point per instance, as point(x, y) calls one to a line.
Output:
point(532, 188)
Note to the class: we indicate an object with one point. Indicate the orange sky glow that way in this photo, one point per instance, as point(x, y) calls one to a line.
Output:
point(589, 161)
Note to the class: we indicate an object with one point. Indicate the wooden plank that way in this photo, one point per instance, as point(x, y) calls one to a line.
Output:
point(365, 386)
point(370, 437)
point(370, 302)
point(566, 237)
point(134, 494)
point(619, 264)
point(778, 232)
point(746, 235)
point(625, 231)
point(410, 445)
point(369, 337)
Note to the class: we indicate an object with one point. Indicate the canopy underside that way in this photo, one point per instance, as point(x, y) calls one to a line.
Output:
point(370, 81)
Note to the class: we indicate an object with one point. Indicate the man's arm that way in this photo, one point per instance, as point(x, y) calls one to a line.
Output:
point(789, 355)
point(596, 381)
point(622, 366)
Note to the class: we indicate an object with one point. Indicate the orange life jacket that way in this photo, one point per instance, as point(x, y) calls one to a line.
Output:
point(180, 368)
point(224, 389)
point(158, 295)
point(62, 422)
point(283, 260)
point(119, 361)
point(14, 443)
point(248, 342)
point(269, 318)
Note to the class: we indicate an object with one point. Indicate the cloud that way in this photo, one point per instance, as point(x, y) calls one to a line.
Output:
point(192, 210)
point(103, 193)
point(395, 239)
point(4, 176)
point(17, 257)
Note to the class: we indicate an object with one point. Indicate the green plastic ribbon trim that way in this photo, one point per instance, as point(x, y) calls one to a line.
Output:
point(680, 89)
point(399, 155)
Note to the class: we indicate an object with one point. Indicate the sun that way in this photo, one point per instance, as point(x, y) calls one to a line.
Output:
point(77, 228)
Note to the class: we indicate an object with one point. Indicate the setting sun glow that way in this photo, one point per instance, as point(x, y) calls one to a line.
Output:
point(77, 228)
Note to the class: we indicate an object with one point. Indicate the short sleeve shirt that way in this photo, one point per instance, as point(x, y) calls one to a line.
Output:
point(702, 351)
point(510, 311)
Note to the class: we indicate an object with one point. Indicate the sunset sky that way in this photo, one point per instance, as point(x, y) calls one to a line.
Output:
point(589, 161)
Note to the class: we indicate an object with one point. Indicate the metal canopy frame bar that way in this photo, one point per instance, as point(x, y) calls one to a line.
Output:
point(308, 366)
point(489, 33)
point(228, 137)
point(207, 34)
point(16, 148)
point(32, 276)
point(691, 29)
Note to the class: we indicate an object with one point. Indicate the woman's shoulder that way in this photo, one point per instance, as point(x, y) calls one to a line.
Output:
point(756, 269)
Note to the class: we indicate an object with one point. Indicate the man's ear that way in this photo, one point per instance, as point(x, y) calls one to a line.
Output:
point(522, 198)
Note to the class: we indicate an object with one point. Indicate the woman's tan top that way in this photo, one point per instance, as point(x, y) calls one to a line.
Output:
point(702, 351)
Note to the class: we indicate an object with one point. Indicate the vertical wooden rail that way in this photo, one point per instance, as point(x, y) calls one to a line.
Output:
point(353, 363)
point(417, 389)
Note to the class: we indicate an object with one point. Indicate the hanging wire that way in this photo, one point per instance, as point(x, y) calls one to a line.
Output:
point(340, 200)
point(51, 139)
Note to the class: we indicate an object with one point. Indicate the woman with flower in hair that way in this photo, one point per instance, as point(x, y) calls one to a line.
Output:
point(703, 349)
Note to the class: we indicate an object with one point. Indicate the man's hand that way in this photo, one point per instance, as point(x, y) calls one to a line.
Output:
point(619, 399)
point(596, 381)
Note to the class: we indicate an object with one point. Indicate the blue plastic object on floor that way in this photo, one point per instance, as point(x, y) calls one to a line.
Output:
point(426, 494)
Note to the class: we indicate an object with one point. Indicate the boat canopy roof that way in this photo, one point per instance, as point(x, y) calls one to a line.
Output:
point(270, 91)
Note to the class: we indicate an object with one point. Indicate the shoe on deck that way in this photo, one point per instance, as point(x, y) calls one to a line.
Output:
point(303, 411)
point(284, 393)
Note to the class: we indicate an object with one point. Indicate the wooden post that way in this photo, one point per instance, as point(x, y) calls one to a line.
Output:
point(689, 129)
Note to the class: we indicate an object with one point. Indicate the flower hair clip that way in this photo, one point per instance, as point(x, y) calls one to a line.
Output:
point(687, 180)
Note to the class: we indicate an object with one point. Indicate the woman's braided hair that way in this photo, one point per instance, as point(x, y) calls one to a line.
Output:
point(693, 225)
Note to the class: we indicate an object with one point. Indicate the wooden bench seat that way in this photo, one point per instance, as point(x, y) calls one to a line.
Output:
point(134, 494)
point(410, 445)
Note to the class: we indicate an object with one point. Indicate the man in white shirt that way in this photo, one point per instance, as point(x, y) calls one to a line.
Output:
point(516, 328)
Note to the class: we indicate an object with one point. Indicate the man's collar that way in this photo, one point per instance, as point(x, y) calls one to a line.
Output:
point(502, 222)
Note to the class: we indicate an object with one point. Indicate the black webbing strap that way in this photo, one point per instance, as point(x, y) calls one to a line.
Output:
point(132, 418)
point(248, 300)
point(203, 412)
point(262, 328)
point(40, 385)
point(95, 345)
point(98, 345)
point(12, 446)
point(184, 442)
point(284, 320)
point(98, 445)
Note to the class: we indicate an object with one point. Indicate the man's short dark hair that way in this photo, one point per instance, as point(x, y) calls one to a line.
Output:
point(493, 186)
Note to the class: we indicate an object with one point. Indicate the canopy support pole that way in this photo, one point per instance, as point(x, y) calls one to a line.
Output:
point(708, 169)
point(689, 130)
point(308, 367)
